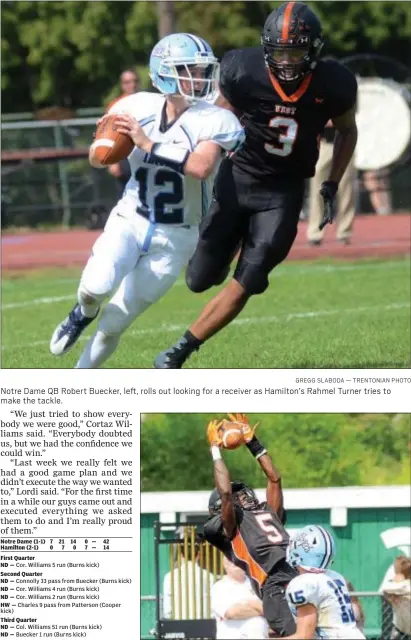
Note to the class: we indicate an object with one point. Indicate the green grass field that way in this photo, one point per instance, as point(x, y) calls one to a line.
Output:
point(314, 315)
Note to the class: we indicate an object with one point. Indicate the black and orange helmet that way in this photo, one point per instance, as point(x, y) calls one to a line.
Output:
point(292, 40)
point(243, 497)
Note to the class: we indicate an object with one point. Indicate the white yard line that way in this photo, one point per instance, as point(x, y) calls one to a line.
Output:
point(288, 271)
point(240, 322)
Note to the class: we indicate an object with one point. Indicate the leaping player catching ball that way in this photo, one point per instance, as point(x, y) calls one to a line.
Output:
point(249, 533)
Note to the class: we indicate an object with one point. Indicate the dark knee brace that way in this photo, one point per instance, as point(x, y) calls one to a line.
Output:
point(254, 278)
point(199, 281)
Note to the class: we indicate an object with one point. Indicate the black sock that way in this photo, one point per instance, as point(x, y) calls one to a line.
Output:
point(192, 341)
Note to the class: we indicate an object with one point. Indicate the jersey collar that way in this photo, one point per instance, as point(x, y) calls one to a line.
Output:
point(164, 126)
point(297, 94)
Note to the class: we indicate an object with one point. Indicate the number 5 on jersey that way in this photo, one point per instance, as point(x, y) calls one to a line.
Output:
point(287, 133)
point(266, 523)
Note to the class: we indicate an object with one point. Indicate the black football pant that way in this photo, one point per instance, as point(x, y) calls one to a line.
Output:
point(261, 216)
point(276, 610)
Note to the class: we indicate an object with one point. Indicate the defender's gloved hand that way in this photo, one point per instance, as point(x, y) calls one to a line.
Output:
point(328, 192)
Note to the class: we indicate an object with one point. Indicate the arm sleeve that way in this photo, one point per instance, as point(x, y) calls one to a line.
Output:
point(122, 105)
point(227, 131)
point(343, 90)
point(301, 591)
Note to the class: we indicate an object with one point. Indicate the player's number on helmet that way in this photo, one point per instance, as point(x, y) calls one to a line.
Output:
point(287, 133)
point(265, 522)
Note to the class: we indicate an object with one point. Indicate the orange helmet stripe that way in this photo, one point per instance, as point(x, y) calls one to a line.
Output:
point(286, 20)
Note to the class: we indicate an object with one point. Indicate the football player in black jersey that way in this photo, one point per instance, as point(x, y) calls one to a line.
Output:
point(251, 534)
point(285, 95)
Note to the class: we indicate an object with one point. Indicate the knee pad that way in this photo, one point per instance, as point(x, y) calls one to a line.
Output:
point(196, 283)
point(254, 278)
point(85, 298)
point(201, 282)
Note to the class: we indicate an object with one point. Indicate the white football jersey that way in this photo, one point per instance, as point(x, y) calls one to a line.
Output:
point(328, 592)
point(164, 195)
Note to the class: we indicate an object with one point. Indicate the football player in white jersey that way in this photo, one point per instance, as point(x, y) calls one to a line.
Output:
point(318, 597)
point(152, 231)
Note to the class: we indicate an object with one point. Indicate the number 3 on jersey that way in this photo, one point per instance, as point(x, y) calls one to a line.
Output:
point(287, 133)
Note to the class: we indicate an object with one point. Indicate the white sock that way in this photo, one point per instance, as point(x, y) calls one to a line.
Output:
point(98, 349)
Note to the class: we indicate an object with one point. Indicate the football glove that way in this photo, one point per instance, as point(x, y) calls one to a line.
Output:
point(213, 435)
point(248, 431)
point(328, 192)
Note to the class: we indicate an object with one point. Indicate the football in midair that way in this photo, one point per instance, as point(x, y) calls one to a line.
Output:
point(111, 146)
point(231, 434)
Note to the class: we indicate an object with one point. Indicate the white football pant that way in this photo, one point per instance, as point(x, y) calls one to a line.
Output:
point(136, 262)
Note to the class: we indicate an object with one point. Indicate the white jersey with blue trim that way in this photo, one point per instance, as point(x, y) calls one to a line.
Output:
point(327, 591)
point(159, 193)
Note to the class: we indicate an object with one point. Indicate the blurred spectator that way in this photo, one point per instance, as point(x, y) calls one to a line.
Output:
point(346, 194)
point(130, 83)
point(357, 607)
point(376, 183)
point(194, 582)
point(397, 591)
point(238, 611)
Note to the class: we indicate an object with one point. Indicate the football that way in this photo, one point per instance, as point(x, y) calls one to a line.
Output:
point(231, 434)
point(110, 145)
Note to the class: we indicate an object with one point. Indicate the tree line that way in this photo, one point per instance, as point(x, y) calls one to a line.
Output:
point(70, 53)
point(310, 450)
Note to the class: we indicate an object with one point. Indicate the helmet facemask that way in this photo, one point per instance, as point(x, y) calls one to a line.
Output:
point(195, 80)
point(288, 64)
point(245, 498)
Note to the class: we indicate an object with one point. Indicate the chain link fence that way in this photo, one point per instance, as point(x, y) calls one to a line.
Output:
point(46, 177)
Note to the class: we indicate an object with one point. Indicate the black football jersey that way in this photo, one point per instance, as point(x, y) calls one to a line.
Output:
point(258, 545)
point(282, 131)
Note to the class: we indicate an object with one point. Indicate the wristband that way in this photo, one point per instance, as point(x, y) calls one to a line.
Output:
point(216, 453)
point(169, 155)
point(256, 448)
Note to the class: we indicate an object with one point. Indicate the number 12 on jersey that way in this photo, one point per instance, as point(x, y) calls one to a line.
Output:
point(161, 193)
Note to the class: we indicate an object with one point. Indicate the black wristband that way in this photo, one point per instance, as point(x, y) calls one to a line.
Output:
point(256, 448)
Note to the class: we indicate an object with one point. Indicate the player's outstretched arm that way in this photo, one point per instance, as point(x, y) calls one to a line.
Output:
point(306, 623)
point(275, 497)
point(222, 479)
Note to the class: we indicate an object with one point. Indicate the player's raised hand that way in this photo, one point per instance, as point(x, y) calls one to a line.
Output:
point(248, 431)
point(212, 433)
point(328, 192)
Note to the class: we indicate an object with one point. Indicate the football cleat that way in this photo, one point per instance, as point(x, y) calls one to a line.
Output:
point(68, 332)
point(175, 356)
